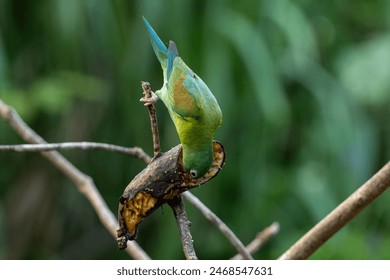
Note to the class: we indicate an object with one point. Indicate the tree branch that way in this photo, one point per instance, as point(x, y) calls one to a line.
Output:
point(134, 152)
point(78, 177)
point(261, 238)
point(217, 222)
point(184, 227)
point(83, 182)
point(340, 216)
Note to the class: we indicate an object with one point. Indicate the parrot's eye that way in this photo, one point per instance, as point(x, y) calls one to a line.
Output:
point(193, 173)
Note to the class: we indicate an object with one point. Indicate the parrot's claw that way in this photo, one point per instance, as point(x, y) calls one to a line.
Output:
point(149, 100)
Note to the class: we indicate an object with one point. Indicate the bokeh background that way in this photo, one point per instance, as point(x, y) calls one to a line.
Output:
point(304, 87)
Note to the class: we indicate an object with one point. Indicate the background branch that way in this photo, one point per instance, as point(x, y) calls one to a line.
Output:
point(134, 152)
point(83, 182)
point(340, 216)
point(261, 238)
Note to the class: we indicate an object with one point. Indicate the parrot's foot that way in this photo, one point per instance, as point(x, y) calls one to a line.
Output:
point(149, 100)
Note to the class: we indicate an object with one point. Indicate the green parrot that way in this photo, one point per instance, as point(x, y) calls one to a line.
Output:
point(191, 105)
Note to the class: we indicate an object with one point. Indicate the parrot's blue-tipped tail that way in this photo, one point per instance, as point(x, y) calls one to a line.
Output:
point(159, 48)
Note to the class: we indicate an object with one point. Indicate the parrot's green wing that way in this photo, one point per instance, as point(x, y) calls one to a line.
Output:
point(184, 94)
point(183, 90)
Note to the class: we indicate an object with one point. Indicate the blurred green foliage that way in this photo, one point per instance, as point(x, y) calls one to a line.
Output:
point(304, 87)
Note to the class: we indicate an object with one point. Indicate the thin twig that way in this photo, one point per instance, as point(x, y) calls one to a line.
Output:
point(340, 216)
point(261, 238)
point(134, 152)
point(83, 182)
point(147, 91)
point(217, 222)
point(184, 227)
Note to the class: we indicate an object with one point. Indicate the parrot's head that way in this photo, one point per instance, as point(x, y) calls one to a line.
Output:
point(197, 161)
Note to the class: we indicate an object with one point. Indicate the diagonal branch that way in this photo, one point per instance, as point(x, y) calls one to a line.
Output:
point(340, 216)
point(83, 182)
point(217, 222)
